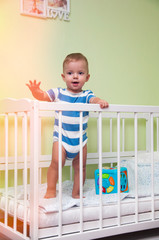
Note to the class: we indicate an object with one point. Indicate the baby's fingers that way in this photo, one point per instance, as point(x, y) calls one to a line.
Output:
point(104, 104)
point(36, 84)
point(30, 82)
point(27, 85)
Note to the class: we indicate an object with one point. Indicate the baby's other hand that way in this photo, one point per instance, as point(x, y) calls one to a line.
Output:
point(33, 85)
point(103, 103)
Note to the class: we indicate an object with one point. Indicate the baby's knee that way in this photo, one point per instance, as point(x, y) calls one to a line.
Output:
point(54, 164)
point(77, 167)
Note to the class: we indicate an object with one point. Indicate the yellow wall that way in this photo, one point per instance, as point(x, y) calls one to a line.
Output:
point(119, 37)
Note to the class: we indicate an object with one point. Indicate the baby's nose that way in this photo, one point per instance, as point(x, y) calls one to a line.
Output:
point(75, 75)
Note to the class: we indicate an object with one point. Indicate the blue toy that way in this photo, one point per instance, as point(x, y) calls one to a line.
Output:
point(110, 180)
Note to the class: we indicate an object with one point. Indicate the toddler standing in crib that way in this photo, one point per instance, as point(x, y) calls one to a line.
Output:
point(75, 75)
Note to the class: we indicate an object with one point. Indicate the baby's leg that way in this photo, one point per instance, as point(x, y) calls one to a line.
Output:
point(76, 166)
point(52, 174)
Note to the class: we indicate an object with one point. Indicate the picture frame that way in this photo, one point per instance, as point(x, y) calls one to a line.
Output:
point(59, 5)
point(58, 9)
point(35, 8)
point(46, 8)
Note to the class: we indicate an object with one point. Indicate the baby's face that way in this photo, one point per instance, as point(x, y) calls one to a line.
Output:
point(75, 75)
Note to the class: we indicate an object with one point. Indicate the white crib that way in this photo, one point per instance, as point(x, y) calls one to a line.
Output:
point(126, 136)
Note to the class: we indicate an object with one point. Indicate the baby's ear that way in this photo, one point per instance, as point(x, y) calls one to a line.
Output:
point(87, 78)
point(63, 76)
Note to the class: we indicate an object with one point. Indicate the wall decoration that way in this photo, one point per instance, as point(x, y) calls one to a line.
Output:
point(58, 8)
point(34, 7)
point(46, 8)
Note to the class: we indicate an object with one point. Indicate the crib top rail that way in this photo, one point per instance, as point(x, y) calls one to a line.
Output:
point(96, 107)
point(10, 105)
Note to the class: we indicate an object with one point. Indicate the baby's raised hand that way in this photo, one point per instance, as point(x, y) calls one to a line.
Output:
point(33, 85)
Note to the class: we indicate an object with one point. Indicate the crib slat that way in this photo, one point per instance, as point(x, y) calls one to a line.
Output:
point(60, 173)
point(123, 134)
point(118, 161)
point(157, 119)
point(152, 168)
point(15, 169)
point(40, 169)
point(111, 137)
point(111, 132)
point(100, 168)
point(6, 169)
point(25, 172)
point(81, 172)
point(136, 165)
point(148, 134)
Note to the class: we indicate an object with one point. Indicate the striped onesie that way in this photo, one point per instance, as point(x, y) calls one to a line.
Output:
point(70, 119)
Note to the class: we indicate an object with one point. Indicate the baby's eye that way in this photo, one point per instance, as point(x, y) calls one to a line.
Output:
point(69, 73)
point(81, 73)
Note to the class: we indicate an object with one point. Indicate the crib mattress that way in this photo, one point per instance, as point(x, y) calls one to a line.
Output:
point(92, 213)
point(48, 212)
point(48, 208)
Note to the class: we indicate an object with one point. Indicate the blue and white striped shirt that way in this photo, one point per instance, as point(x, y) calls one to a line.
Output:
point(70, 119)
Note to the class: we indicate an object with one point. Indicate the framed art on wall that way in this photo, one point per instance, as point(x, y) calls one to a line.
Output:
point(60, 5)
point(46, 8)
point(35, 8)
point(58, 8)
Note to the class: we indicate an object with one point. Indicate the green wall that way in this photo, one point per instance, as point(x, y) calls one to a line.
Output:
point(119, 37)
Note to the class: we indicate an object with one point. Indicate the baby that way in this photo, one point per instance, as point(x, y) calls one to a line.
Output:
point(75, 75)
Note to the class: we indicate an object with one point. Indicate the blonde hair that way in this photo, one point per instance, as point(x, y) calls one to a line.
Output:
point(75, 57)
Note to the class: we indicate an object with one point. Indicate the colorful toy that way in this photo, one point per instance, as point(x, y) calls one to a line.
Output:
point(110, 180)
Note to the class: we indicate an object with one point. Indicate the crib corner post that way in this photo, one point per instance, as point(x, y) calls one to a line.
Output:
point(34, 165)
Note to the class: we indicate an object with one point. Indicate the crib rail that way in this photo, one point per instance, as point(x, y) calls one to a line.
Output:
point(114, 122)
point(10, 105)
point(96, 107)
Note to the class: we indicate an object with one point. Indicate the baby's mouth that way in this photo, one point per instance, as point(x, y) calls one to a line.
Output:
point(75, 83)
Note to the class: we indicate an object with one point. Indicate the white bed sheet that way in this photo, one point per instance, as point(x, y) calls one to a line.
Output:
point(49, 217)
point(90, 213)
point(48, 208)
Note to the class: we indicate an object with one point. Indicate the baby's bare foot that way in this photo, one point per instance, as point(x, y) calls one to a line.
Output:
point(50, 194)
point(77, 196)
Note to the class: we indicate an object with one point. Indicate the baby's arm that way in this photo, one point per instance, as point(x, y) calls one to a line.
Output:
point(102, 103)
point(38, 93)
